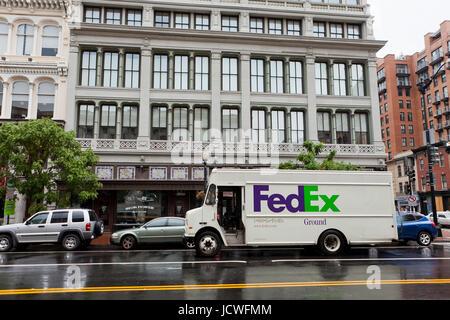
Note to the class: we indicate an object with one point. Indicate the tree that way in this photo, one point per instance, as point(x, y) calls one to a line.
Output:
point(310, 161)
point(38, 155)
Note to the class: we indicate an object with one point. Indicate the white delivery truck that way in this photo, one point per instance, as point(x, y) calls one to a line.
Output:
point(329, 209)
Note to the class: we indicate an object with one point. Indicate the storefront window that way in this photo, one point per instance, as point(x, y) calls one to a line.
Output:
point(138, 207)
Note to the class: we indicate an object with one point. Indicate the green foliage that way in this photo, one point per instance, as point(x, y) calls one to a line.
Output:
point(310, 161)
point(38, 155)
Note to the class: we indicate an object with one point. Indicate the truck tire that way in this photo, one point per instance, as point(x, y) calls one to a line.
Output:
point(71, 242)
point(6, 243)
point(208, 244)
point(331, 243)
point(424, 238)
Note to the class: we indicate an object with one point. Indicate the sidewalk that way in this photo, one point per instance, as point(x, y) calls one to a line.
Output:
point(445, 236)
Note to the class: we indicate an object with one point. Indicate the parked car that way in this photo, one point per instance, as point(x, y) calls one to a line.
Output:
point(443, 218)
point(157, 231)
point(72, 228)
point(415, 226)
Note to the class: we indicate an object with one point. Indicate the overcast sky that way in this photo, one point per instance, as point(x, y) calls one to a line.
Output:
point(403, 23)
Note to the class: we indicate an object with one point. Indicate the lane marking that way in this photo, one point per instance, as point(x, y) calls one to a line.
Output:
point(221, 286)
point(361, 259)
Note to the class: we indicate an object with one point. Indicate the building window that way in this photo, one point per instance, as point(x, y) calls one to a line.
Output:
point(353, 31)
point(321, 78)
point(361, 128)
point(132, 70)
point(108, 122)
point(182, 20)
point(19, 100)
point(25, 39)
point(230, 23)
point(257, 75)
point(340, 79)
point(324, 127)
point(336, 31)
point(358, 80)
point(388, 131)
point(411, 129)
point(45, 100)
point(130, 122)
point(411, 142)
point(50, 39)
point(400, 104)
point(256, 25)
point(408, 104)
point(159, 123)
point(181, 75)
point(162, 19)
point(258, 126)
point(410, 116)
point(342, 128)
point(201, 73)
point(160, 71)
point(89, 68)
point(319, 29)
point(399, 171)
point(92, 15)
point(134, 17)
point(444, 181)
point(404, 142)
point(201, 22)
point(296, 77)
point(113, 16)
point(110, 69)
point(4, 31)
point(294, 27)
point(180, 124)
point(275, 26)
point(441, 160)
point(276, 76)
point(403, 129)
point(297, 127)
point(389, 144)
point(230, 125)
point(201, 124)
point(402, 116)
point(85, 128)
point(423, 183)
point(229, 74)
point(278, 126)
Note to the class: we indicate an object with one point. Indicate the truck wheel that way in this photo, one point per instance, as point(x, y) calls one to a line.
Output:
point(208, 244)
point(331, 243)
point(6, 243)
point(71, 242)
point(424, 238)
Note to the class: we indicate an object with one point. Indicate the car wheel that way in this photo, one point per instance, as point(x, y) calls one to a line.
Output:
point(71, 242)
point(331, 243)
point(208, 244)
point(6, 243)
point(99, 228)
point(128, 242)
point(189, 244)
point(424, 238)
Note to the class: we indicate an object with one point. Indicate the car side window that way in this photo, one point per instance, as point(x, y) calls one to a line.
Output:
point(157, 223)
point(92, 215)
point(408, 218)
point(59, 217)
point(40, 218)
point(175, 222)
point(77, 216)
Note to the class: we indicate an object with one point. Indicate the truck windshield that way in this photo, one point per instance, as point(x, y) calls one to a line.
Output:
point(211, 196)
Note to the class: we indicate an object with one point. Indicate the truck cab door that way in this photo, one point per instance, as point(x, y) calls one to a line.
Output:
point(209, 211)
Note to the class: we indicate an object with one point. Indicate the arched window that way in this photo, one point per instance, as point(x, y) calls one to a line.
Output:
point(50, 39)
point(19, 100)
point(46, 100)
point(25, 37)
point(3, 37)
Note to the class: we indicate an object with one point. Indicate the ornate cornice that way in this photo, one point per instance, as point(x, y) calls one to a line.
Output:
point(35, 4)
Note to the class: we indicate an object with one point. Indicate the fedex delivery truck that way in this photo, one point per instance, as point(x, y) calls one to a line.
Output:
point(328, 209)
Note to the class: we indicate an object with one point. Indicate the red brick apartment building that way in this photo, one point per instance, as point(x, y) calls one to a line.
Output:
point(405, 113)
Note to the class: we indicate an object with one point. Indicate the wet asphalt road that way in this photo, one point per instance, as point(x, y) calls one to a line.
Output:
point(392, 272)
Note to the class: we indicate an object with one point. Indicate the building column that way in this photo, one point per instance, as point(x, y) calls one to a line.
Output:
point(191, 122)
point(121, 67)
point(31, 109)
point(72, 82)
point(10, 45)
point(144, 102)
point(97, 120)
point(268, 126)
point(349, 78)
point(267, 75)
point(191, 71)
point(311, 116)
point(99, 67)
point(4, 109)
point(119, 122)
point(56, 109)
point(245, 92)
point(169, 122)
point(333, 127)
point(374, 117)
point(331, 77)
point(288, 126)
point(287, 76)
point(170, 75)
point(216, 120)
point(352, 126)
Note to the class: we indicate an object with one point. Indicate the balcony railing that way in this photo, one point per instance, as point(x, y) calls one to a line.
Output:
point(437, 100)
point(436, 59)
point(438, 113)
point(446, 110)
point(422, 67)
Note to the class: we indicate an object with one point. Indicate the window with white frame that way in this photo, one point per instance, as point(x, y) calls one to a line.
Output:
point(256, 25)
point(182, 20)
point(19, 100)
point(321, 76)
point(92, 14)
point(361, 128)
point(134, 17)
point(85, 128)
point(278, 126)
point(230, 23)
point(4, 31)
point(45, 100)
point(113, 16)
point(159, 123)
point(340, 79)
point(89, 68)
point(294, 27)
point(258, 125)
point(108, 115)
point(180, 124)
point(160, 71)
point(342, 128)
point(297, 127)
point(276, 76)
point(162, 19)
point(201, 124)
point(319, 29)
point(132, 70)
point(324, 127)
point(230, 124)
point(50, 40)
point(353, 31)
point(25, 39)
point(229, 74)
point(129, 122)
point(257, 75)
point(201, 73)
point(110, 69)
point(181, 73)
point(201, 21)
point(296, 77)
point(358, 80)
point(275, 26)
point(336, 30)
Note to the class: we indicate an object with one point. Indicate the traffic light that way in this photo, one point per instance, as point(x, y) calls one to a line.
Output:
point(411, 175)
point(407, 188)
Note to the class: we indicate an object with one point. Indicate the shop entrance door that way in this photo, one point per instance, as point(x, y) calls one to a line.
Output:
point(178, 203)
point(105, 207)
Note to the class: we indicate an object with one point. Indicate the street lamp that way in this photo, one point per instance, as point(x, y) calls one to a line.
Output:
point(431, 148)
point(205, 157)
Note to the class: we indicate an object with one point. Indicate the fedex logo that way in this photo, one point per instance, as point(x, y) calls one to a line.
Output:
point(303, 201)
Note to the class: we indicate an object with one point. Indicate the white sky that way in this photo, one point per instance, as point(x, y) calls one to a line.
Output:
point(403, 23)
